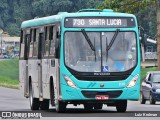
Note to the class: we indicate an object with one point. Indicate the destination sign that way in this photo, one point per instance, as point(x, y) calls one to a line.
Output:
point(108, 22)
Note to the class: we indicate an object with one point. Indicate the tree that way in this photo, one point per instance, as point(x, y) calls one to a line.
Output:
point(133, 6)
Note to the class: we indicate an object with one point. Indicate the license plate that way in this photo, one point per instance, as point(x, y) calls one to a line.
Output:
point(102, 97)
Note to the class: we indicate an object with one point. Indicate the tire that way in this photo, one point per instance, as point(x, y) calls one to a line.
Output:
point(44, 104)
point(98, 106)
point(151, 100)
point(121, 105)
point(34, 102)
point(88, 106)
point(60, 106)
point(52, 96)
point(142, 99)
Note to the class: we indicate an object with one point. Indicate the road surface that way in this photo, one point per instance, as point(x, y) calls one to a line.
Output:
point(13, 100)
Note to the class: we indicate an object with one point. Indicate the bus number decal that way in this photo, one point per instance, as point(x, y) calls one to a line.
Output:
point(78, 22)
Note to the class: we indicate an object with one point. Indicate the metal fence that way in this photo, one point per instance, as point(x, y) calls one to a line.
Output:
point(150, 55)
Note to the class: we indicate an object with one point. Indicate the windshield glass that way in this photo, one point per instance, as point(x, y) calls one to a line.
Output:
point(121, 56)
point(155, 78)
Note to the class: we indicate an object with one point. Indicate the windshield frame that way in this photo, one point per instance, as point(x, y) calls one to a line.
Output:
point(74, 72)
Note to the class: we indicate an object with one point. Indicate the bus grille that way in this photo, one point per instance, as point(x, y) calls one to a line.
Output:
point(111, 94)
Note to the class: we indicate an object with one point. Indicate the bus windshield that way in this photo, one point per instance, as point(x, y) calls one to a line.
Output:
point(120, 57)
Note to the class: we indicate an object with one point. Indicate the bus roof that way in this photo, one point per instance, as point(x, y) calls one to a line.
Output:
point(82, 13)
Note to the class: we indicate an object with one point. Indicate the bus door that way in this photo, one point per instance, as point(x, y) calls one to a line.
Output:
point(40, 55)
point(24, 65)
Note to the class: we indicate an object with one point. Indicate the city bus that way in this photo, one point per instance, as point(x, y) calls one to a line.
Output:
point(89, 58)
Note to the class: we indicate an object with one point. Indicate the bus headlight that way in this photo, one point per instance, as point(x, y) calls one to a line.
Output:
point(69, 82)
point(133, 81)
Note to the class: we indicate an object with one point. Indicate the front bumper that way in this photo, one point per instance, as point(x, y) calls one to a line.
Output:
point(69, 93)
point(156, 96)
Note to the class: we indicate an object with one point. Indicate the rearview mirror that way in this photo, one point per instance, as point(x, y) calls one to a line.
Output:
point(141, 34)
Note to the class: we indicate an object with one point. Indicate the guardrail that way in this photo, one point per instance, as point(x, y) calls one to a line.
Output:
point(150, 55)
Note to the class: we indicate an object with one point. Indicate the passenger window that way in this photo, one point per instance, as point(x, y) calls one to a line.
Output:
point(36, 36)
point(22, 45)
point(27, 42)
point(31, 44)
point(46, 49)
point(52, 40)
point(149, 78)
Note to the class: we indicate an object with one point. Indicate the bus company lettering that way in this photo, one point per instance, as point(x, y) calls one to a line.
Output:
point(109, 22)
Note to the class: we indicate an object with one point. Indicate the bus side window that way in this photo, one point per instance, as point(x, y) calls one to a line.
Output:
point(31, 44)
point(53, 32)
point(26, 50)
point(35, 43)
point(22, 45)
point(46, 48)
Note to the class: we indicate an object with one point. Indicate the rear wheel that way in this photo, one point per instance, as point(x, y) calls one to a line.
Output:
point(142, 99)
point(52, 96)
point(60, 106)
point(121, 106)
point(152, 101)
point(44, 104)
point(34, 102)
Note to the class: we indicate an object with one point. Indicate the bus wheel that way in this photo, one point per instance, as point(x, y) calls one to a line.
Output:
point(34, 102)
point(142, 99)
point(44, 104)
point(60, 106)
point(152, 101)
point(52, 96)
point(98, 106)
point(121, 106)
point(88, 106)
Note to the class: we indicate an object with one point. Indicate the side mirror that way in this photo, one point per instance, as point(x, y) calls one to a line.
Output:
point(141, 35)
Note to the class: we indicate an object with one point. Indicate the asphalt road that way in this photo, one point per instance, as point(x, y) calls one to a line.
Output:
point(13, 100)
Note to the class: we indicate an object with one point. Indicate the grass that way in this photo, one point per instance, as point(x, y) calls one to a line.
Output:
point(9, 73)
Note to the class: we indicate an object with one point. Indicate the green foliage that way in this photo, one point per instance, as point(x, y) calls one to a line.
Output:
point(145, 10)
point(9, 75)
point(9, 69)
point(14, 12)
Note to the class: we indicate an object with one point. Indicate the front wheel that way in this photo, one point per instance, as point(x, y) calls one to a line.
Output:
point(60, 106)
point(121, 106)
point(34, 102)
point(142, 99)
point(44, 104)
point(152, 101)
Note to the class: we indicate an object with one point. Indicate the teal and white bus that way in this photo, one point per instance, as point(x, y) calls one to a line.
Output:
point(91, 57)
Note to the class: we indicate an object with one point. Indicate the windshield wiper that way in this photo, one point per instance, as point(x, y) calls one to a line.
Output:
point(113, 39)
point(88, 39)
point(89, 42)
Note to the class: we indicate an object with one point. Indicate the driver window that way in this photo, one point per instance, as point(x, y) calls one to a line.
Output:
point(149, 78)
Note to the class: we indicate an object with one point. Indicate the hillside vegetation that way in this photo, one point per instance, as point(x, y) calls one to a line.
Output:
point(9, 73)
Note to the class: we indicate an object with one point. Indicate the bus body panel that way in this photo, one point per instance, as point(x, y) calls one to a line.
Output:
point(45, 78)
point(22, 75)
point(33, 74)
